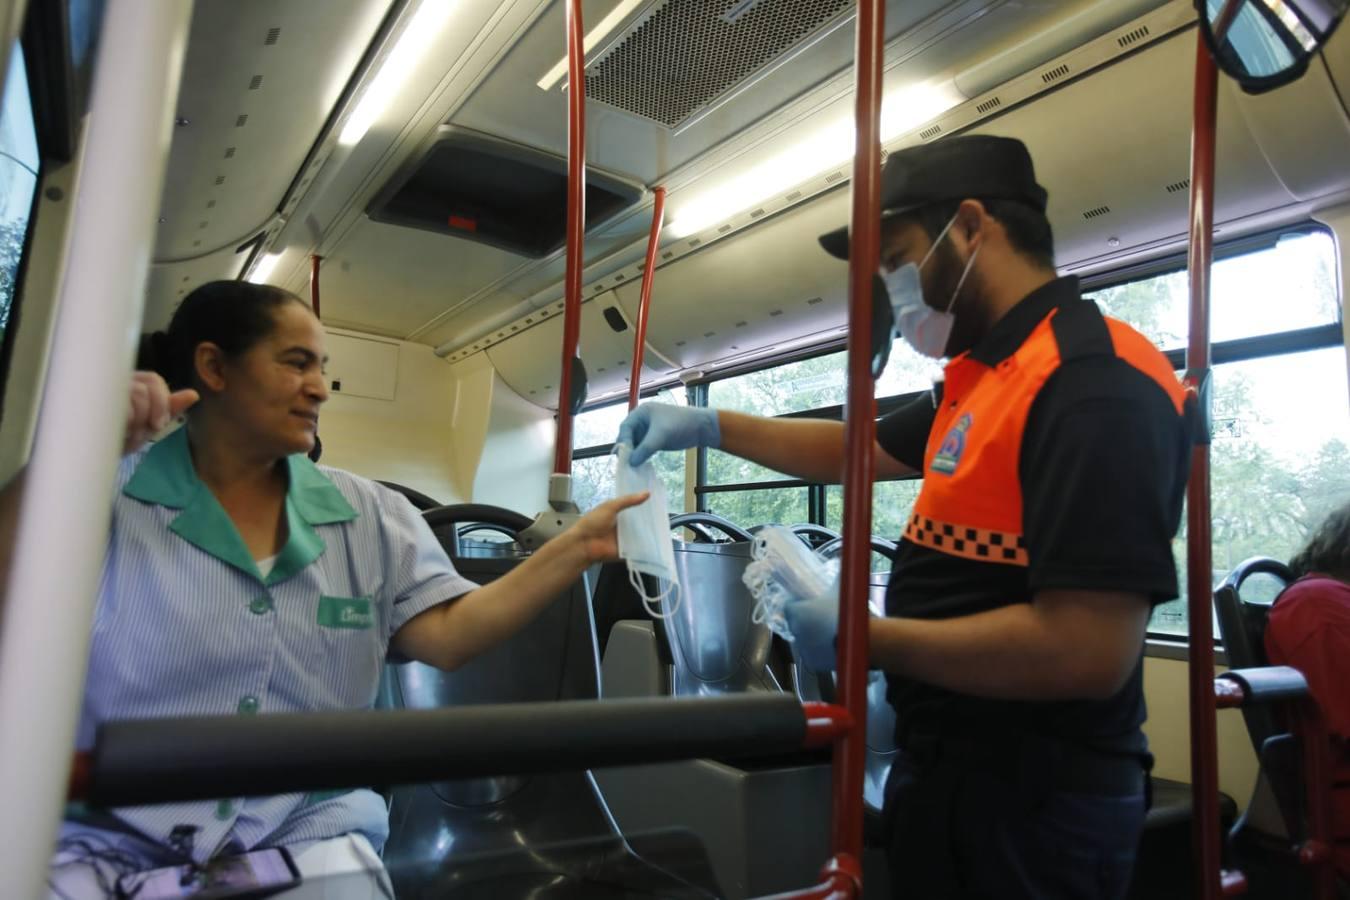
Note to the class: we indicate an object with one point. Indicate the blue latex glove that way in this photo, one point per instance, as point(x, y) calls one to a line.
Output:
point(814, 624)
point(661, 426)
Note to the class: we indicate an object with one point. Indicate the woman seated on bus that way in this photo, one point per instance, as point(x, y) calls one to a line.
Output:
point(243, 579)
point(1309, 629)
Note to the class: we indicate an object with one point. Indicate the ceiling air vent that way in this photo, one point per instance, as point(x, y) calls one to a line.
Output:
point(1098, 211)
point(991, 103)
point(689, 53)
point(1133, 37)
point(481, 188)
point(1177, 187)
point(255, 83)
point(273, 35)
point(220, 179)
point(241, 121)
point(833, 177)
point(724, 229)
point(931, 132)
point(229, 152)
point(1054, 74)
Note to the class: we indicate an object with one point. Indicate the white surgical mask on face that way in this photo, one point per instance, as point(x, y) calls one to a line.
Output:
point(645, 544)
point(924, 328)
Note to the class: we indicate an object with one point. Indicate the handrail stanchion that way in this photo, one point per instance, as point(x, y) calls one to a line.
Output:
point(860, 429)
point(576, 229)
point(561, 510)
point(63, 521)
point(645, 299)
point(314, 260)
point(1199, 587)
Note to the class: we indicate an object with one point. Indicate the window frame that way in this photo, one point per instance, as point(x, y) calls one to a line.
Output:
point(52, 97)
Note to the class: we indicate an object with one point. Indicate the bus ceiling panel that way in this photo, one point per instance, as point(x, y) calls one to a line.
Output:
point(1336, 53)
point(169, 283)
point(411, 93)
point(676, 77)
point(534, 286)
point(260, 78)
point(1113, 150)
point(769, 285)
point(528, 360)
point(1302, 127)
point(395, 279)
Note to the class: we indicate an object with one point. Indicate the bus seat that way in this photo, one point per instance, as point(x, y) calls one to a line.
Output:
point(519, 835)
point(1242, 602)
point(415, 497)
point(1275, 816)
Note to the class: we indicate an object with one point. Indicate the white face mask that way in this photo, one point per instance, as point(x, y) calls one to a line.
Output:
point(925, 329)
point(644, 535)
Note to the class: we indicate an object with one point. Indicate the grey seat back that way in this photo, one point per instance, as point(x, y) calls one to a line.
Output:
point(1242, 603)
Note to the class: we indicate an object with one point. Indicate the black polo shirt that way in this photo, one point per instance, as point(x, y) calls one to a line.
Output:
point(1102, 469)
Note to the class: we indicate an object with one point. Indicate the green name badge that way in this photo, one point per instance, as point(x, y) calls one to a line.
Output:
point(345, 612)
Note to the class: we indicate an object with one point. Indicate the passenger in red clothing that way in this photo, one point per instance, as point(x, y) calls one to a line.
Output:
point(1309, 629)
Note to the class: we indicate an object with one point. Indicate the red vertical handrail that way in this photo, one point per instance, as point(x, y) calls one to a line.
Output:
point(645, 298)
point(314, 260)
point(1199, 577)
point(860, 430)
point(576, 229)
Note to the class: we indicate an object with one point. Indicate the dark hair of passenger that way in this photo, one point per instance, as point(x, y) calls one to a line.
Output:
point(1028, 229)
point(233, 315)
point(1328, 549)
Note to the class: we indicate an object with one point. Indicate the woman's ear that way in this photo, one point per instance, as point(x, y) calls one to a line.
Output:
point(208, 363)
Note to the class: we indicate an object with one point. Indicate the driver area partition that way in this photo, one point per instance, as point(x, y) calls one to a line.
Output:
point(764, 824)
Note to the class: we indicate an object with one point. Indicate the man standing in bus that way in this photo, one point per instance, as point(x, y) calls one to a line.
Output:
point(1054, 461)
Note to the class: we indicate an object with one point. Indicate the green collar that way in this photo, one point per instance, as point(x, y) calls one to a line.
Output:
point(166, 476)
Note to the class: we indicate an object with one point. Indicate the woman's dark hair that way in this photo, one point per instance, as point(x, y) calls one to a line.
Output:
point(233, 315)
point(1328, 550)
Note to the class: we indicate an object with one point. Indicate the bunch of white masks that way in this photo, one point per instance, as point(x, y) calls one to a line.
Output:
point(783, 570)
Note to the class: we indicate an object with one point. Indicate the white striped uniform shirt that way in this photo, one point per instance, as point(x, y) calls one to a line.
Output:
point(187, 626)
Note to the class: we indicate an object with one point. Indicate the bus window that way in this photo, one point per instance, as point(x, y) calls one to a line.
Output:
point(19, 163)
point(593, 434)
point(1281, 452)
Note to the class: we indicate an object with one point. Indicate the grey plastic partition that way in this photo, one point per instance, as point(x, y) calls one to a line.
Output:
point(547, 835)
point(765, 826)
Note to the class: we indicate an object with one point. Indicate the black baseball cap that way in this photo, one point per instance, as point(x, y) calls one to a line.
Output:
point(956, 168)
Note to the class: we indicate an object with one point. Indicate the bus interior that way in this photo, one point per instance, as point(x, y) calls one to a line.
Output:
point(403, 165)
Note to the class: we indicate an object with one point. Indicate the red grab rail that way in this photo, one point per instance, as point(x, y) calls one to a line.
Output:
point(576, 229)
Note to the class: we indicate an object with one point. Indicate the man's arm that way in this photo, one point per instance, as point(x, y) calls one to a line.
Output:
point(450, 634)
point(809, 449)
point(1065, 645)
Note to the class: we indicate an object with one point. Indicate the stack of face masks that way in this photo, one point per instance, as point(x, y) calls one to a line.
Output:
point(644, 535)
point(783, 570)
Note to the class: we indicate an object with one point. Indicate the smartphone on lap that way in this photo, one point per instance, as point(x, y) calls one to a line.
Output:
point(260, 873)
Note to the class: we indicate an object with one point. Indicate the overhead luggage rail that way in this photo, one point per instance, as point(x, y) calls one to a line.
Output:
point(149, 761)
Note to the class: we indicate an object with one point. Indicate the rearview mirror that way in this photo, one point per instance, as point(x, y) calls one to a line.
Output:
point(1263, 44)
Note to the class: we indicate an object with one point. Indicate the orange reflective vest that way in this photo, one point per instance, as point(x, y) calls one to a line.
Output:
point(971, 501)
